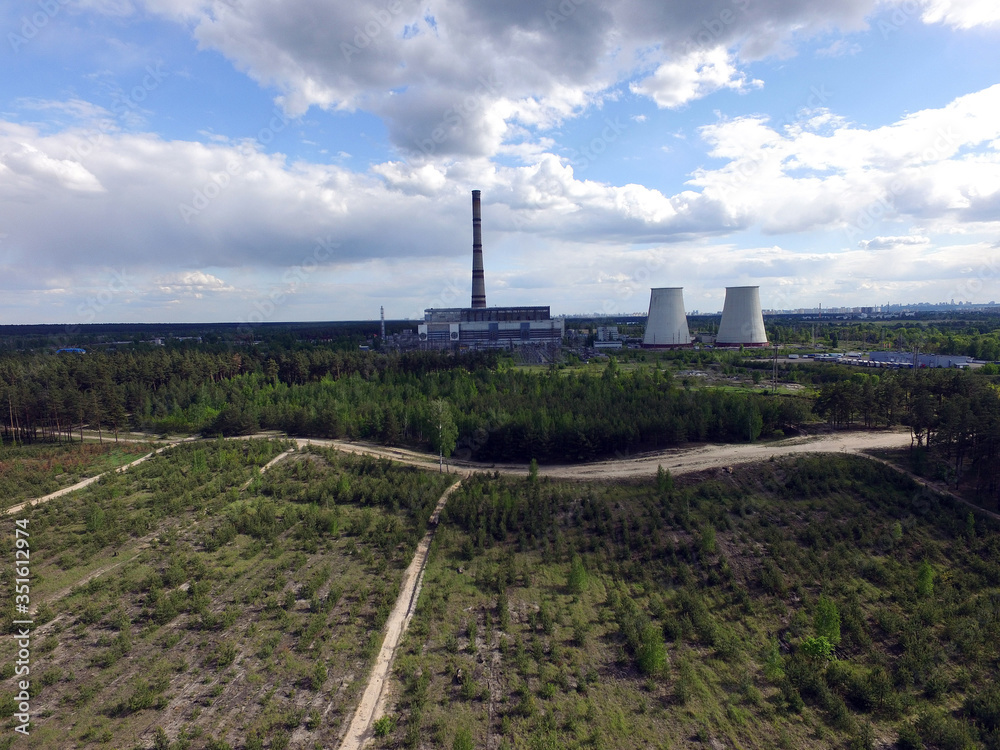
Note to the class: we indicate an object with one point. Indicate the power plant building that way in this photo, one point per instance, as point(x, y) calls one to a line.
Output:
point(482, 327)
point(666, 324)
point(742, 318)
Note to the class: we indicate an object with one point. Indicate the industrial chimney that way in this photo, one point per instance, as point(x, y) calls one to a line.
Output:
point(666, 325)
point(478, 280)
point(742, 319)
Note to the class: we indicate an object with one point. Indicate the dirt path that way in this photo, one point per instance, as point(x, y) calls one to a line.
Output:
point(712, 456)
point(372, 704)
point(90, 480)
point(676, 460)
point(269, 464)
point(939, 487)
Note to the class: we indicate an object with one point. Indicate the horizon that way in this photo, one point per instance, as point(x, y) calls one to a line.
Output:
point(767, 312)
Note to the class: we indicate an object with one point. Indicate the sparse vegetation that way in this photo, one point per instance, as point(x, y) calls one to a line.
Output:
point(192, 598)
point(775, 632)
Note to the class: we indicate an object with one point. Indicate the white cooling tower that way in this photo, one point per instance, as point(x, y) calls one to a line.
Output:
point(742, 319)
point(667, 324)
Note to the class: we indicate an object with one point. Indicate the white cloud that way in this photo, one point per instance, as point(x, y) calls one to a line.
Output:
point(32, 170)
point(882, 243)
point(839, 48)
point(694, 76)
point(799, 179)
point(961, 14)
point(194, 283)
point(474, 70)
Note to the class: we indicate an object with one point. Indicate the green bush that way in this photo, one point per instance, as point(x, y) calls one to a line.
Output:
point(651, 655)
point(463, 740)
point(385, 726)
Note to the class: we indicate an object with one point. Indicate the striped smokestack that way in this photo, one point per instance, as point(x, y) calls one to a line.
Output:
point(478, 280)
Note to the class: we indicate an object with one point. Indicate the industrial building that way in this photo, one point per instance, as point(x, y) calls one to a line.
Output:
point(742, 318)
point(909, 359)
point(666, 324)
point(482, 327)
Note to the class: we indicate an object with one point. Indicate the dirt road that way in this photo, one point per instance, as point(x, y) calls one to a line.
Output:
point(88, 481)
point(681, 461)
point(372, 704)
point(676, 460)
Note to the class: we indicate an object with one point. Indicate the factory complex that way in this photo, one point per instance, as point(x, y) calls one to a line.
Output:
point(482, 327)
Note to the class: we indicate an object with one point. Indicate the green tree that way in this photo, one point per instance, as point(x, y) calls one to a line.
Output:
point(925, 580)
point(827, 620)
point(652, 652)
point(817, 647)
point(463, 740)
point(443, 430)
point(577, 582)
point(664, 481)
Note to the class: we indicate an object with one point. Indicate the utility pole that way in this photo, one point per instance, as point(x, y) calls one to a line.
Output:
point(440, 438)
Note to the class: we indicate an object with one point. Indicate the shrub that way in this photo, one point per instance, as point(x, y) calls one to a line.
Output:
point(925, 579)
point(385, 726)
point(577, 582)
point(984, 708)
point(817, 647)
point(827, 620)
point(463, 737)
point(652, 652)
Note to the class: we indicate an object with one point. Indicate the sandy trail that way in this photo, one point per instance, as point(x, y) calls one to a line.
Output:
point(372, 704)
point(89, 480)
point(712, 456)
point(269, 464)
point(676, 460)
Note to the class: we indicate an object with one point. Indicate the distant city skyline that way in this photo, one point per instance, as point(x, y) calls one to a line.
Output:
point(267, 160)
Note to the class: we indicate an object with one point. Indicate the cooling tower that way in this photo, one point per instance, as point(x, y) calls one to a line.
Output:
point(667, 324)
point(742, 319)
point(478, 279)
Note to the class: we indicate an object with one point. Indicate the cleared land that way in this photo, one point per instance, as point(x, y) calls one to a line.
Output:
point(174, 607)
point(643, 614)
point(246, 610)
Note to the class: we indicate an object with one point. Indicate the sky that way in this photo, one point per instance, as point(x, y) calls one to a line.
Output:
point(267, 160)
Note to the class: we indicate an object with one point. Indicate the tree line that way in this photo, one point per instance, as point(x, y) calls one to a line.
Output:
point(954, 416)
point(473, 403)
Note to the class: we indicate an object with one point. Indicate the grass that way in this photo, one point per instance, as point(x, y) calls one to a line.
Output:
point(30, 471)
point(552, 614)
point(250, 615)
point(556, 666)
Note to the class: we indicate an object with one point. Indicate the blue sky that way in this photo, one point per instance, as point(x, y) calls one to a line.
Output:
point(251, 160)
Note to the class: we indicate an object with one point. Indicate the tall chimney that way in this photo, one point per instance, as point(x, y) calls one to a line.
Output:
point(478, 280)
